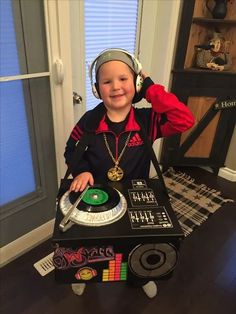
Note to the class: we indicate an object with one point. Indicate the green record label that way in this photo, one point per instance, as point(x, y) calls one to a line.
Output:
point(95, 197)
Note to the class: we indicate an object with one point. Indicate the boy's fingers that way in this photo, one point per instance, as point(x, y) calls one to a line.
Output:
point(91, 180)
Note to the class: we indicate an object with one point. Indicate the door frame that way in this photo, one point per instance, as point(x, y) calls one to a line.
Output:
point(57, 19)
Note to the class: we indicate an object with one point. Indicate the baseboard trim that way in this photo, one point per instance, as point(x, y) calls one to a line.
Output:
point(228, 174)
point(25, 243)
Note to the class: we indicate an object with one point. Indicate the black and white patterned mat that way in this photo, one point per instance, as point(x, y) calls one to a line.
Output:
point(192, 203)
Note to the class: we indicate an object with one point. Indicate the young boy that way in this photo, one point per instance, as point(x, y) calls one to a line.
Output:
point(118, 151)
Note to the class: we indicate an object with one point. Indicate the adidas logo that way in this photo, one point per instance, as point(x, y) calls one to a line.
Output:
point(135, 140)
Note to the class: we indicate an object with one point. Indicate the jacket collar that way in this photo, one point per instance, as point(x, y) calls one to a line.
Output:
point(131, 125)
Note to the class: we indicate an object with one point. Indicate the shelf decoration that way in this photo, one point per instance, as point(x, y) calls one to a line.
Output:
point(219, 10)
point(213, 55)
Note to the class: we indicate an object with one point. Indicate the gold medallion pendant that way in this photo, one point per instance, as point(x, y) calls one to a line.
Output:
point(115, 173)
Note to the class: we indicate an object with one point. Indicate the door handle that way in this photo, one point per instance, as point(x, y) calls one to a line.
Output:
point(77, 99)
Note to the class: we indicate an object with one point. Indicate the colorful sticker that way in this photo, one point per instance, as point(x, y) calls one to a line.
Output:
point(65, 258)
point(86, 273)
point(117, 271)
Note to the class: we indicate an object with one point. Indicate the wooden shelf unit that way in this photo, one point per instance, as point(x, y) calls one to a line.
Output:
point(200, 88)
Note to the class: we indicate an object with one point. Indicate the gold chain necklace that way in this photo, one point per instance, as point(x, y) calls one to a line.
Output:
point(116, 173)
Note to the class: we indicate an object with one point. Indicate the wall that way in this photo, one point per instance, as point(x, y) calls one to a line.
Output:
point(163, 50)
point(167, 19)
point(230, 158)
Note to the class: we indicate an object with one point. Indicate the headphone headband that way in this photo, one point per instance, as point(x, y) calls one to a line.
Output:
point(137, 64)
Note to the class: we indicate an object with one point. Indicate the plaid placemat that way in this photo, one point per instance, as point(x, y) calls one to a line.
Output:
point(192, 203)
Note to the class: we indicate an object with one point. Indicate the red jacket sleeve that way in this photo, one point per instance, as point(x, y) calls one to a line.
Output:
point(171, 114)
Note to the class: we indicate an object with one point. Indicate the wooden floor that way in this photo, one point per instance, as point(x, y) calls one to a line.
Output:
point(204, 281)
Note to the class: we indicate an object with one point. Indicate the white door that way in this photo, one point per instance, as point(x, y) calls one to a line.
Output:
point(145, 28)
point(66, 20)
point(98, 25)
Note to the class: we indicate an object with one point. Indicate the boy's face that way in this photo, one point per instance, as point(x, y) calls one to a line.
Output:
point(116, 85)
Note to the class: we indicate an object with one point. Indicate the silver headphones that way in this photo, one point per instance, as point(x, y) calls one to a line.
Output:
point(137, 67)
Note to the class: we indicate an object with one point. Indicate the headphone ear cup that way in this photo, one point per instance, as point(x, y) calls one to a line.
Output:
point(95, 91)
point(138, 65)
point(138, 83)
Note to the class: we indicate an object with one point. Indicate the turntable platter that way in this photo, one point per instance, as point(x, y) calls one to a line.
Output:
point(98, 198)
point(101, 205)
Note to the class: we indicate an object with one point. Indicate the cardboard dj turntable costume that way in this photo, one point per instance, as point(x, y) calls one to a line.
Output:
point(115, 231)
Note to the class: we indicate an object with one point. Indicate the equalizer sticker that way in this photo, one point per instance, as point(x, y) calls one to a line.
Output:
point(142, 197)
point(149, 218)
point(117, 270)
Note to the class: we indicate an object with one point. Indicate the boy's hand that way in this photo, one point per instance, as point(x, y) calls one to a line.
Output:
point(143, 74)
point(81, 181)
point(146, 83)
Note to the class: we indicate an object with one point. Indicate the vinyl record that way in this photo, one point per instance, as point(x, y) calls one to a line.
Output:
point(98, 198)
point(101, 205)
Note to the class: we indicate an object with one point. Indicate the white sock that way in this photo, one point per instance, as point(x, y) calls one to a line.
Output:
point(78, 288)
point(150, 289)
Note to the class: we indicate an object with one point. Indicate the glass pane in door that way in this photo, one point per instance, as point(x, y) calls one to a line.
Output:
point(17, 176)
point(23, 48)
